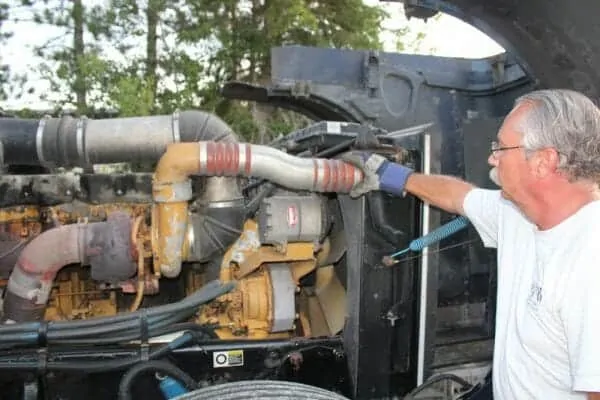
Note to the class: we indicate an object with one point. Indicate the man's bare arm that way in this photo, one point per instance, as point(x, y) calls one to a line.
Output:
point(445, 192)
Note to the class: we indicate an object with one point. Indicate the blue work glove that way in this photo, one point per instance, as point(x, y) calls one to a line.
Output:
point(380, 173)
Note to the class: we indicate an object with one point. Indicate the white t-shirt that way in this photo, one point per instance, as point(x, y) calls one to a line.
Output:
point(547, 342)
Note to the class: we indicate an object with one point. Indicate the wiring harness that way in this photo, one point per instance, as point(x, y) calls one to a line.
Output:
point(134, 326)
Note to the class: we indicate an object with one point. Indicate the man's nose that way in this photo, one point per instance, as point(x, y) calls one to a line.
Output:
point(492, 160)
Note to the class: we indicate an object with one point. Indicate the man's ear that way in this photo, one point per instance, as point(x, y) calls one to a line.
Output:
point(545, 162)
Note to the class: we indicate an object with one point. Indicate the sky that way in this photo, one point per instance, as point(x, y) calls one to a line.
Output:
point(444, 36)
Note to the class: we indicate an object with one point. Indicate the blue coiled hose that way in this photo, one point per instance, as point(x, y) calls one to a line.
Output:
point(435, 235)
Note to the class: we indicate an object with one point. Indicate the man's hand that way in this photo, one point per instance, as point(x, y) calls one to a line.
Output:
point(380, 174)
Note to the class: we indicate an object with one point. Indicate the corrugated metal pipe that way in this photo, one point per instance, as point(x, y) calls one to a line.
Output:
point(172, 186)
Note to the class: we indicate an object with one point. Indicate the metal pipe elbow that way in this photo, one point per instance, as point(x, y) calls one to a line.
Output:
point(31, 280)
point(171, 191)
point(289, 171)
point(103, 245)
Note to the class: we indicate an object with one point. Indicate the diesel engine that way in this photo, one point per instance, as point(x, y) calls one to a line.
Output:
point(82, 243)
point(211, 240)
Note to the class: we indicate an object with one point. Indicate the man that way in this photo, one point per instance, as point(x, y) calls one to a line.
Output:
point(545, 224)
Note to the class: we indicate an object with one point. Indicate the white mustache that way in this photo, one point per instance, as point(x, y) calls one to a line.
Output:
point(494, 176)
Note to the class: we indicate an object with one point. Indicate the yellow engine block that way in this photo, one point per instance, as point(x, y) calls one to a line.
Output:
point(270, 300)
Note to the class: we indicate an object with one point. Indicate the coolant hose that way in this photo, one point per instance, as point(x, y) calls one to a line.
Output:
point(172, 186)
point(261, 389)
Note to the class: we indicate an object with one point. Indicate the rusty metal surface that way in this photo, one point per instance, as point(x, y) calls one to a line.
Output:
point(73, 212)
point(171, 191)
point(169, 228)
point(247, 254)
point(76, 297)
point(246, 311)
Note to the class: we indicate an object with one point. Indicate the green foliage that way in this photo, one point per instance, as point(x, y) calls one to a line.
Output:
point(4, 69)
point(245, 31)
point(242, 34)
point(132, 95)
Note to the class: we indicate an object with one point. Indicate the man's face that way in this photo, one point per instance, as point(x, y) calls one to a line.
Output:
point(511, 167)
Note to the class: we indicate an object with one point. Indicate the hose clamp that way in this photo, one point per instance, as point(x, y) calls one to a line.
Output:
point(82, 232)
point(175, 127)
point(22, 285)
point(39, 139)
point(79, 138)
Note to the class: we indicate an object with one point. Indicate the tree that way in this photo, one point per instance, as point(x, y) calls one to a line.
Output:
point(246, 30)
point(4, 70)
point(243, 32)
point(156, 74)
point(156, 56)
point(71, 60)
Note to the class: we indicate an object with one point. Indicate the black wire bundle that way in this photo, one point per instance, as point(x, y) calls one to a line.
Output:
point(114, 329)
point(85, 360)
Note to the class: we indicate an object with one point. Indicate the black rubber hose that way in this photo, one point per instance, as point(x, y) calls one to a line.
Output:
point(102, 330)
point(162, 367)
point(69, 141)
point(261, 389)
point(202, 332)
point(218, 227)
point(18, 137)
point(164, 320)
point(65, 326)
point(377, 210)
point(93, 366)
point(167, 326)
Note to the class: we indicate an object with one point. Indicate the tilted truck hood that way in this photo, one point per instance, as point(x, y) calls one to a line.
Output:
point(550, 43)
point(557, 41)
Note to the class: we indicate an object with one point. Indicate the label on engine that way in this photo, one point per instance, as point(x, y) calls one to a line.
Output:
point(231, 358)
point(292, 216)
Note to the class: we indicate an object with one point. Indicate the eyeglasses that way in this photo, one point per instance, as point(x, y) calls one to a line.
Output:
point(495, 147)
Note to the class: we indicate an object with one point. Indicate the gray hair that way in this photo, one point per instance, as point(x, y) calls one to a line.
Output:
point(569, 122)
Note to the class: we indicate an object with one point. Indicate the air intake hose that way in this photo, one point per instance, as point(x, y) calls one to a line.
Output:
point(80, 142)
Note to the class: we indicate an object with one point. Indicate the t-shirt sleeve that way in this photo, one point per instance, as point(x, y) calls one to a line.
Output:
point(581, 319)
point(482, 208)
